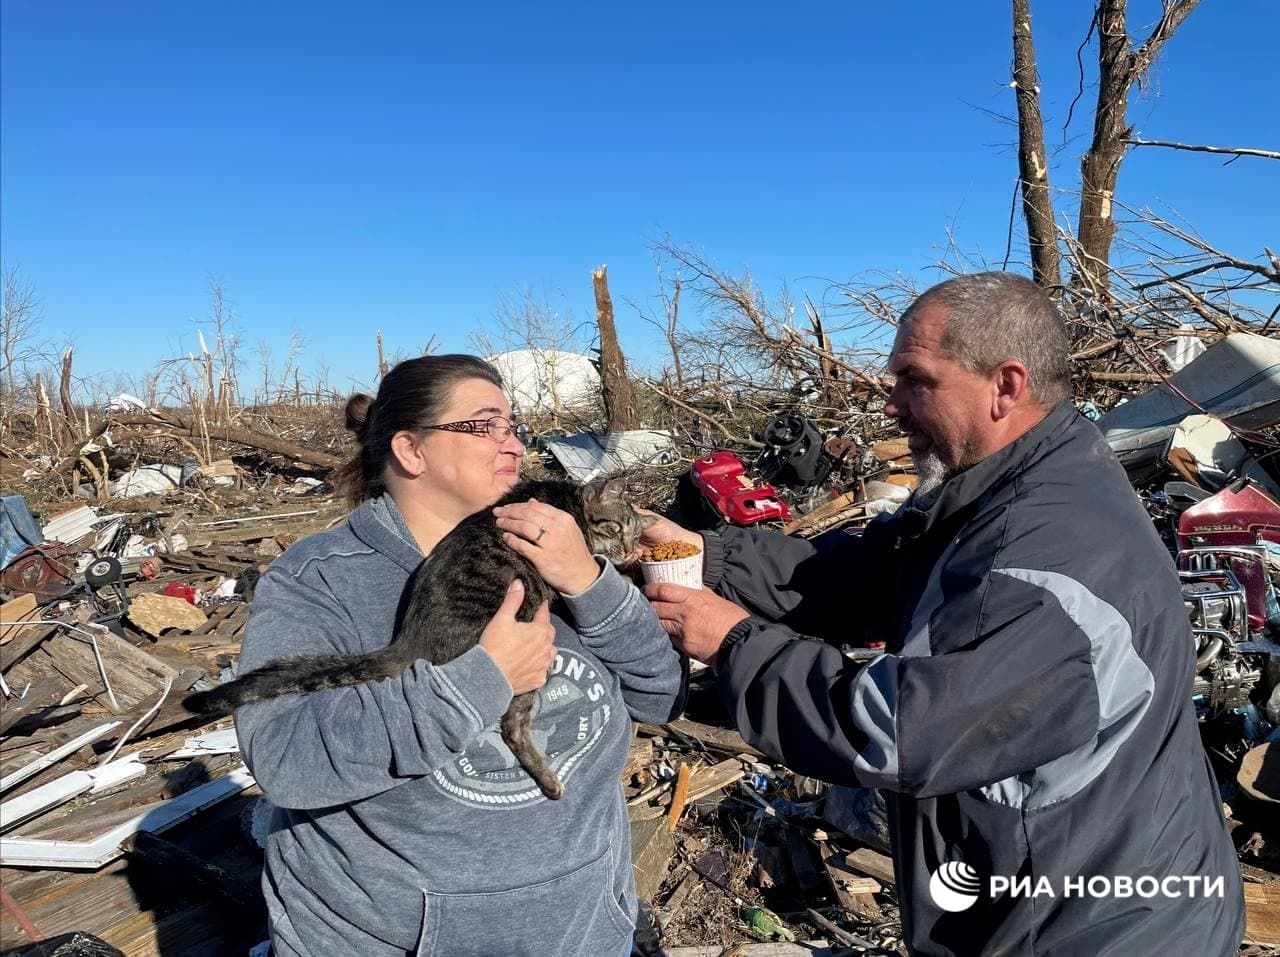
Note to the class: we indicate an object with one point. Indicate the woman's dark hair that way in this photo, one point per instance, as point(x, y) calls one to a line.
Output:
point(411, 395)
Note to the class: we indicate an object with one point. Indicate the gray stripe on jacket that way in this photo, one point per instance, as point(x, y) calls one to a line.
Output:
point(1125, 687)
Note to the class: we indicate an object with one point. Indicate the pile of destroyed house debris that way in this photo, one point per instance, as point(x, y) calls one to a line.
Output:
point(127, 821)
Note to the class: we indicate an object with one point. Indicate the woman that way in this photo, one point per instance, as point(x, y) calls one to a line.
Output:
point(404, 825)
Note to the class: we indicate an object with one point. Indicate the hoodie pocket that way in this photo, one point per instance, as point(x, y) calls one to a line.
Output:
point(580, 913)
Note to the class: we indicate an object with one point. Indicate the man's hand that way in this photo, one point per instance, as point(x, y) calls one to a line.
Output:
point(697, 620)
point(665, 530)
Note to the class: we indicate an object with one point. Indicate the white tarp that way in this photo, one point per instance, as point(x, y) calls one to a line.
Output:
point(546, 380)
point(147, 480)
point(586, 456)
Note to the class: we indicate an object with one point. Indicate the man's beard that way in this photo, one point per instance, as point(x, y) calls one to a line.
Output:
point(931, 473)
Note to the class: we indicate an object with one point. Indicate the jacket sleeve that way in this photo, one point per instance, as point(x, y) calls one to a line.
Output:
point(808, 585)
point(1023, 692)
point(340, 745)
point(619, 627)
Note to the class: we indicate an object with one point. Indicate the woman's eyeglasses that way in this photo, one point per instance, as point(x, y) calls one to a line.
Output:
point(496, 427)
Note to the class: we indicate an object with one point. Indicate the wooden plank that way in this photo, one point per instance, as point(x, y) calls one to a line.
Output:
point(719, 739)
point(872, 863)
point(679, 796)
point(22, 608)
point(651, 848)
point(27, 638)
point(706, 781)
point(846, 502)
point(639, 757)
point(219, 615)
point(855, 893)
point(135, 675)
point(1262, 913)
point(800, 854)
point(40, 695)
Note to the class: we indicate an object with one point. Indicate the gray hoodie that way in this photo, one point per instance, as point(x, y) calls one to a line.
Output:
point(404, 824)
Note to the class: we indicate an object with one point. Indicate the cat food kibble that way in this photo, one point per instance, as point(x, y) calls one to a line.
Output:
point(668, 551)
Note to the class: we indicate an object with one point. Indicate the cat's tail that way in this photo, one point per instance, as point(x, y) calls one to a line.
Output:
point(297, 675)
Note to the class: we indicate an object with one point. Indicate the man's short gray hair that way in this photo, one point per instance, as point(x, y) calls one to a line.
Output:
point(996, 316)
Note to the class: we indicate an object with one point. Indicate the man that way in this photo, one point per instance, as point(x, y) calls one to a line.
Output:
point(1032, 717)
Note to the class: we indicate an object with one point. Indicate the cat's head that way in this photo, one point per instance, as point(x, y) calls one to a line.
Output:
point(613, 526)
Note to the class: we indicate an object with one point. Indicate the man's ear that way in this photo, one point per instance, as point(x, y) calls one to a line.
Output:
point(406, 453)
point(1012, 388)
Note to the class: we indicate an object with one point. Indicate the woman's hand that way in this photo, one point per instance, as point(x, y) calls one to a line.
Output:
point(552, 542)
point(524, 651)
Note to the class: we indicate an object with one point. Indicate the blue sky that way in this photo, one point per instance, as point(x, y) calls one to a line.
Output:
point(342, 168)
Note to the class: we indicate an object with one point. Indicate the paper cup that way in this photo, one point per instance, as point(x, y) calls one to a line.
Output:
point(679, 571)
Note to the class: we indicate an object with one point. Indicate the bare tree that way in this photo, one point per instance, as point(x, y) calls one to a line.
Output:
point(619, 406)
point(1033, 162)
point(18, 327)
point(1119, 67)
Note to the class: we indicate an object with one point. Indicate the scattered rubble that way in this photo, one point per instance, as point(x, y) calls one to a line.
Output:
point(115, 801)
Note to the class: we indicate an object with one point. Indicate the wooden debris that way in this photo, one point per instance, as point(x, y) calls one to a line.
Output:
point(154, 614)
point(651, 850)
point(678, 797)
point(639, 757)
point(855, 893)
point(872, 863)
point(706, 781)
point(717, 739)
point(1262, 913)
point(22, 608)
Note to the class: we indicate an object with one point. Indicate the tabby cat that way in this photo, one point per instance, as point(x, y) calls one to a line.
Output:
point(454, 594)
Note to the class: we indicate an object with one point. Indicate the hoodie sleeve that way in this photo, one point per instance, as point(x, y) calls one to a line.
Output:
point(807, 585)
point(1047, 672)
point(343, 744)
point(619, 627)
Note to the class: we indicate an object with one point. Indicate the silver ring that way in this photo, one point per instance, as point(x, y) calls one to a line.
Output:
point(542, 530)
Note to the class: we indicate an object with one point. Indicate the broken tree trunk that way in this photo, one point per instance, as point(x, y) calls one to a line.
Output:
point(173, 424)
point(619, 407)
point(1033, 161)
point(69, 429)
point(1118, 68)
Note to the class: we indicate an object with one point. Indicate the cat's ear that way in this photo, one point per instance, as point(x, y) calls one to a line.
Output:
point(647, 521)
point(613, 490)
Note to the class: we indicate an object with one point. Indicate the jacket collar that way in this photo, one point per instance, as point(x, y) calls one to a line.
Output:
point(962, 490)
point(378, 523)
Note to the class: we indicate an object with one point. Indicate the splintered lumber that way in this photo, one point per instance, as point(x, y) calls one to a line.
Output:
point(718, 739)
point(1262, 913)
point(42, 694)
point(24, 638)
point(639, 757)
point(855, 892)
point(847, 502)
point(22, 608)
point(872, 863)
point(678, 797)
point(651, 848)
point(133, 673)
point(706, 781)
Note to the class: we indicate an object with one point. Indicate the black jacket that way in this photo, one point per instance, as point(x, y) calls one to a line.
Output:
point(1032, 716)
